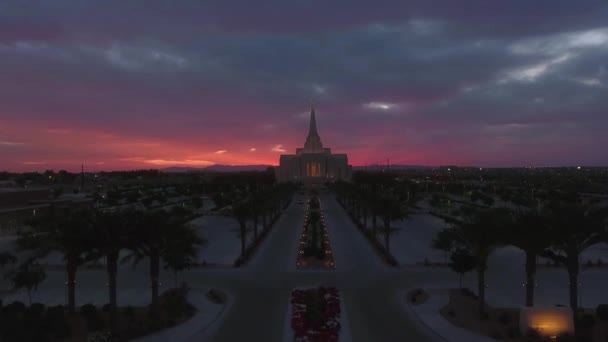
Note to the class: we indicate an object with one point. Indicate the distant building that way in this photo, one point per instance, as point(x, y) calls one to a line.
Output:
point(313, 163)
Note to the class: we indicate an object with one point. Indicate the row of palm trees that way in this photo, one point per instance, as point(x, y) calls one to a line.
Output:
point(560, 231)
point(259, 203)
point(557, 228)
point(85, 235)
point(378, 198)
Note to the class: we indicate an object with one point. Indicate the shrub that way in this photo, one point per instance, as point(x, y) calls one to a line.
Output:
point(533, 334)
point(504, 318)
point(451, 313)
point(106, 307)
point(215, 296)
point(587, 322)
point(16, 308)
point(129, 311)
point(89, 313)
point(566, 338)
point(35, 310)
point(485, 316)
point(602, 312)
point(88, 310)
point(175, 302)
point(496, 335)
point(54, 319)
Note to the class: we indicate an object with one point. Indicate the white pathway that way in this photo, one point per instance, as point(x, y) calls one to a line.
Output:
point(429, 316)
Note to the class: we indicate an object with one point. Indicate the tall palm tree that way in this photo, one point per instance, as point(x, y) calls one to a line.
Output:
point(529, 231)
point(574, 228)
point(477, 233)
point(112, 232)
point(391, 210)
point(155, 235)
point(68, 233)
point(255, 205)
point(182, 249)
point(241, 211)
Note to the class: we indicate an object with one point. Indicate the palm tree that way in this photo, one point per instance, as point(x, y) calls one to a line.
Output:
point(28, 275)
point(529, 231)
point(477, 233)
point(574, 228)
point(255, 204)
point(182, 250)
point(241, 211)
point(155, 236)
point(392, 210)
point(68, 233)
point(363, 198)
point(112, 232)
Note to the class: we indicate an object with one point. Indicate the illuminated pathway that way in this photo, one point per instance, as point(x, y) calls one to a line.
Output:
point(369, 288)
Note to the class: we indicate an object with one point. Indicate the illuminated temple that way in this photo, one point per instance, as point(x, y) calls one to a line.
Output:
point(313, 163)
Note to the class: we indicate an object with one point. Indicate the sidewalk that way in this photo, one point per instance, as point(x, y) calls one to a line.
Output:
point(198, 326)
point(429, 316)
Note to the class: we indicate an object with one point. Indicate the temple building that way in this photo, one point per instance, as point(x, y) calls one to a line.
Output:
point(313, 163)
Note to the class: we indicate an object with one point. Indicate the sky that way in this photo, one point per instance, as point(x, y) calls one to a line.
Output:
point(150, 84)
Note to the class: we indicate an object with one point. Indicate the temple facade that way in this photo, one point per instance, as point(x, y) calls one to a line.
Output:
point(313, 163)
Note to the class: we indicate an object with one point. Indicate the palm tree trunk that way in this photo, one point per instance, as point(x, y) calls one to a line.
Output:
point(530, 278)
point(71, 270)
point(255, 227)
point(374, 224)
point(243, 237)
point(112, 269)
point(573, 287)
point(387, 234)
point(481, 288)
point(154, 275)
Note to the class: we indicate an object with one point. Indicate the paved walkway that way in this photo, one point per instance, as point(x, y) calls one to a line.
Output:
point(429, 317)
point(368, 287)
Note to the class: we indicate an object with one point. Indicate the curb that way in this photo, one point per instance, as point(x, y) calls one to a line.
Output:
point(410, 311)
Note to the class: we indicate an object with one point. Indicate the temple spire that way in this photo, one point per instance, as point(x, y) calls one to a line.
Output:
point(313, 141)
point(312, 130)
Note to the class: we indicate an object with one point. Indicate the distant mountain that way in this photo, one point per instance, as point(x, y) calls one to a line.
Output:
point(217, 168)
point(236, 168)
point(394, 167)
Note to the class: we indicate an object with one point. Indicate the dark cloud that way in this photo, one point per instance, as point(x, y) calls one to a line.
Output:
point(447, 78)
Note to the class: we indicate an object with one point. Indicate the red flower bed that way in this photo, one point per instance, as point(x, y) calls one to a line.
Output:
point(315, 314)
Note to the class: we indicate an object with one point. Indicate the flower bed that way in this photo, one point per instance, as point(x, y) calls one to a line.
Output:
point(314, 247)
point(315, 314)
